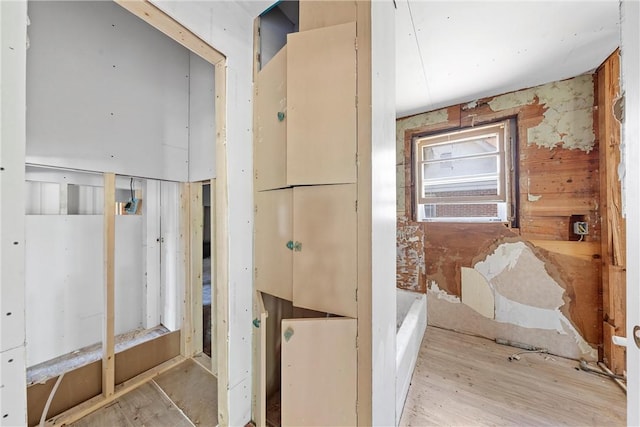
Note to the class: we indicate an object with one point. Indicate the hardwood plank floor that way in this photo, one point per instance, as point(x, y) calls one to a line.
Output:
point(461, 380)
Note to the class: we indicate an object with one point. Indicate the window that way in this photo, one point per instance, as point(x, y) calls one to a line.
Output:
point(466, 175)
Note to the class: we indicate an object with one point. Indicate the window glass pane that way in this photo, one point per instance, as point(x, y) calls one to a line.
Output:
point(461, 169)
point(481, 145)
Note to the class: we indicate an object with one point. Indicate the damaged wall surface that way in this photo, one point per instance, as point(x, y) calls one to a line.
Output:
point(534, 284)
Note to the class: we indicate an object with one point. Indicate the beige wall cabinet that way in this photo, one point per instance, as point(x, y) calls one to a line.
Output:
point(306, 246)
point(306, 111)
point(319, 365)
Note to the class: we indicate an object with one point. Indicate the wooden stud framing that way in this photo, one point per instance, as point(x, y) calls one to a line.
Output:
point(613, 227)
point(155, 17)
point(215, 346)
point(108, 339)
point(221, 244)
point(186, 336)
point(196, 220)
point(98, 402)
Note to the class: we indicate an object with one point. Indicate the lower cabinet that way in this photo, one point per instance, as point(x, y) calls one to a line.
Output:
point(306, 246)
point(306, 366)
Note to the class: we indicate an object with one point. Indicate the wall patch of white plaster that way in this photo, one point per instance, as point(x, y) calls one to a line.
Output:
point(533, 197)
point(512, 100)
point(515, 313)
point(505, 256)
point(477, 292)
point(434, 289)
point(584, 346)
point(568, 119)
point(420, 120)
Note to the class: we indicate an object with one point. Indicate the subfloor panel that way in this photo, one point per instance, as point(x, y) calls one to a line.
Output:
point(465, 380)
point(186, 395)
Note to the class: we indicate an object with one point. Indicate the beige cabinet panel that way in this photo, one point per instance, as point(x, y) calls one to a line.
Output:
point(270, 148)
point(323, 13)
point(321, 106)
point(319, 372)
point(325, 255)
point(259, 360)
point(273, 231)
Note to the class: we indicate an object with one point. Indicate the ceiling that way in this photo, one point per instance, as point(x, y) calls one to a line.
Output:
point(453, 51)
point(450, 52)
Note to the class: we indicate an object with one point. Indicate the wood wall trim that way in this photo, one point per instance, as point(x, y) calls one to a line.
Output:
point(155, 17)
point(364, 197)
point(221, 243)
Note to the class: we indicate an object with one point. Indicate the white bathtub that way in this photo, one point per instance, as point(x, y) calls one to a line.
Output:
point(411, 325)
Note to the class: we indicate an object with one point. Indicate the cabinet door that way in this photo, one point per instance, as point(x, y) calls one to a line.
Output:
point(273, 231)
point(321, 106)
point(319, 372)
point(270, 152)
point(324, 261)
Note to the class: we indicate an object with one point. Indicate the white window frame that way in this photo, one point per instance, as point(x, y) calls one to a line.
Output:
point(505, 134)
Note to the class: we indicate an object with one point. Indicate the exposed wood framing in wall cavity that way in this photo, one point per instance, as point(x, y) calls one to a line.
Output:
point(613, 223)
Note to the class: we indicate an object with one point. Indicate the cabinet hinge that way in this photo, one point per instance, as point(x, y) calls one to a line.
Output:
point(255, 273)
point(255, 209)
point(355, 43)
point(356, 211)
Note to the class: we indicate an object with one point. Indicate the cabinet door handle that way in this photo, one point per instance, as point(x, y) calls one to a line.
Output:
point(297, 246)
point(281, 116)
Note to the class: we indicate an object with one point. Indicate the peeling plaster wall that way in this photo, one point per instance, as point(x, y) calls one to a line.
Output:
point(545, 286)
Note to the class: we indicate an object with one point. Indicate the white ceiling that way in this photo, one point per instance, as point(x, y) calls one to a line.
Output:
point(454, 51)
point(449, 52)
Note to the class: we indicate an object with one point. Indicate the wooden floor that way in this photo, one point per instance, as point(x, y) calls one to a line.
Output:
point(183, 396)
point(461, 380)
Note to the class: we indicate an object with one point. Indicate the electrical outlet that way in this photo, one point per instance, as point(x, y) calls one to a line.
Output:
point(132, 206)
point(581, 228)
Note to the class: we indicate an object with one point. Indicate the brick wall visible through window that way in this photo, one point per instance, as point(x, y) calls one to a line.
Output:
point(465, 175)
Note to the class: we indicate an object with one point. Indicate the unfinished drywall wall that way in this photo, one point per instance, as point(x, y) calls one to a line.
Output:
point(64, 283)
point(13, 44)
point(202, 124)
point(543, 284)
point(107, 92)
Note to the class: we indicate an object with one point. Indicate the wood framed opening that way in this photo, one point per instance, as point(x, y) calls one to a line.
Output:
point(189, 208)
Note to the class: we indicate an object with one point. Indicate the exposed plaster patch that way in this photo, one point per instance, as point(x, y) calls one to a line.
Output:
point(584, 346)
point(528, 282)
point(472, 104)
point(508, 311)
point(525, 294)
point(435, 290)
point(568, 116)
point(533, 197)
point(513, 100)
point(568, 119)
point(505, 256)
point(410, 264)
point(477, 292)
point(420, 120)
